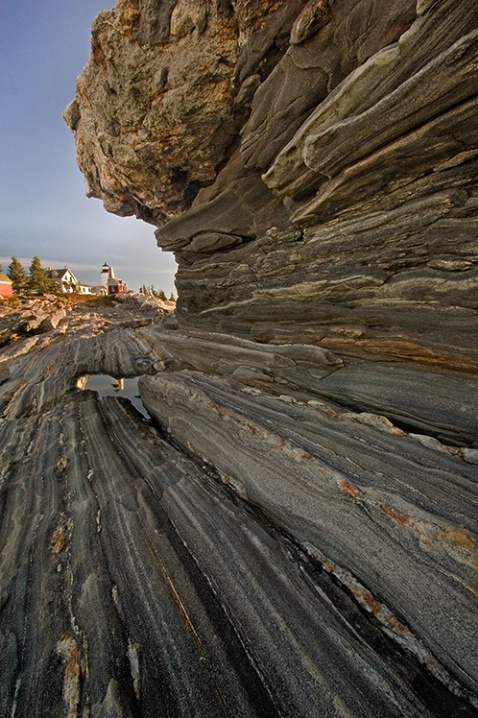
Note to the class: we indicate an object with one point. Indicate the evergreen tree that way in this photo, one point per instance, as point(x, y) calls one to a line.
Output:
point(18, 275)
point(171, 298)
point(39, 281)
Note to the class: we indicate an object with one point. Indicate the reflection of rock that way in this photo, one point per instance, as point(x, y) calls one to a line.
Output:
point(81, 382)
point(117, 384)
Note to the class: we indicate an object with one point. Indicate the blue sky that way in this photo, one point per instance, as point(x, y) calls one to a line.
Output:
point(44, 45)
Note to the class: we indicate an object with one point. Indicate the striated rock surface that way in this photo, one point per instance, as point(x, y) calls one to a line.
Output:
point(280, 539)
point(293, 531)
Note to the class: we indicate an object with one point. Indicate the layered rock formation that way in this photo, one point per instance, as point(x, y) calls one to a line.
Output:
point(294, 533)
point(255, 550)
point(327, 151)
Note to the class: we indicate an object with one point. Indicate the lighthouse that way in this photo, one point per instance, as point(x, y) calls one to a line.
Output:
point(110, 283)
point(106, 273)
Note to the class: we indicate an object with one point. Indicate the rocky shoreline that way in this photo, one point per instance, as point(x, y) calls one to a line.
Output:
point(261, 547)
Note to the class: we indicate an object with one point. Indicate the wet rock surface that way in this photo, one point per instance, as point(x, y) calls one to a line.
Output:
point(268, 544)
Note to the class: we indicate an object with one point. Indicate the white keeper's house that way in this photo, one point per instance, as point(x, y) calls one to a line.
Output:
point(67, 281)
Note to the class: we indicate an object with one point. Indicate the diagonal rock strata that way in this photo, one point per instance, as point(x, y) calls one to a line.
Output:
point(344, 207)
point(113, 577)
point(276, 457)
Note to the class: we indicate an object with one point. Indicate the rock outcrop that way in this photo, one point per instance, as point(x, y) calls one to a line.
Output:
point(327, 151)
point(273, 542)
point(294, 530)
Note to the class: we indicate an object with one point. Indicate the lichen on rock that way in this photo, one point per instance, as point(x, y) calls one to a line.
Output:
point(153, 115)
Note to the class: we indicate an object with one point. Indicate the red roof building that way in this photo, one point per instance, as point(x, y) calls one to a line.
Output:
point(6, 286)
point(112, 284)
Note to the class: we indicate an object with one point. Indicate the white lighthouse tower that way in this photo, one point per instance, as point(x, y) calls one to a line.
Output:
point(110, 283)
point(106, 274)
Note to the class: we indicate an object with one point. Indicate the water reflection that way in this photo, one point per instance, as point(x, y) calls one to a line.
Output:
point(107, 385)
